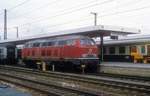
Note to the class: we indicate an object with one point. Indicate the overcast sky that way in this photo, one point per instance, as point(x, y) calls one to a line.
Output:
point(34, 17)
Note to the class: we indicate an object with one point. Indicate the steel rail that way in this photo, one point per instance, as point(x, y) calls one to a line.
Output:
point(50, 89)
point(123, 84)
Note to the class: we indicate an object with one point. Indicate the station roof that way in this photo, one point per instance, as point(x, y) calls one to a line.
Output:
point(91, 31)
point(129, 40)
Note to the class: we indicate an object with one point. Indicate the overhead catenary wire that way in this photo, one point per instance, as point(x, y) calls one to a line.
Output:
point(85, 19)
point(77, 6)
point(54, 2)
point(37, 9)
point(68, 22)
point(47, 17)
point(126, 4)
point(68, 12)
point(126, 11)
point(119, 12)
point(18, 5)
point(31, 11)
point(100, 16)
point(114, 13)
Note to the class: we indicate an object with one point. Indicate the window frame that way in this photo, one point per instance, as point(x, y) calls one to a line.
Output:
point(142, 50)
point(122, 51)
point(132, 50)
point(110, 49)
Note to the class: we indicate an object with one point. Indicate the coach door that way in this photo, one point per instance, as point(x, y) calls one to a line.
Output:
point(133, 49)
point(148, 50)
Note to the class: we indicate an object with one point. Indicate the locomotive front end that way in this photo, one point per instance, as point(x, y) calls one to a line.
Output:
point(88, 54)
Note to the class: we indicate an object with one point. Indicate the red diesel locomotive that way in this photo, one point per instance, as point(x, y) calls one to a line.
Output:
point(66, 51)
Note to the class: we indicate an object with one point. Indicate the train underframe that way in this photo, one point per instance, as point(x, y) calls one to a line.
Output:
point(118, 58)
point(65, 65)
point(127, 58)
point(8, 61)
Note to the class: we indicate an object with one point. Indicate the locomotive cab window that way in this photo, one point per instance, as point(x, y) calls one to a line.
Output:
point(87, 42)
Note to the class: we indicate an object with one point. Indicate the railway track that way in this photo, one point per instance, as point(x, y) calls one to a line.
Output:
point(28, 78)
point(92, 84)
point(122, 77)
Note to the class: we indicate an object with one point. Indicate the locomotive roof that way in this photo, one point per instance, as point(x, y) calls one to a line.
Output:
point(91, 31)
point(59, 38)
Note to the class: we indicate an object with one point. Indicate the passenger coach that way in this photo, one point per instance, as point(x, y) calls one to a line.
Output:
point(8, 55)
point(129, 49)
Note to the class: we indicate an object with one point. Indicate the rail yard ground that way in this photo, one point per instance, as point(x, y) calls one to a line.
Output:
point(52, 48)
point(69, 84)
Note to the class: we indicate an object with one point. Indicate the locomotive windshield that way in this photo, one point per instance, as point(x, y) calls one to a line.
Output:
point(87, 41)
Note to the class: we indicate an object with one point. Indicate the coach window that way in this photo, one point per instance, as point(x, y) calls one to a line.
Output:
point(104, 50)
point(112, 50)
point(1, 50)
point(87, 42)
point(143, 49)
point(133, 49)
point(122, 50)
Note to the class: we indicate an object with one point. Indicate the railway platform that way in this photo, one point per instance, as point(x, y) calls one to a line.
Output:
point(125, 68)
